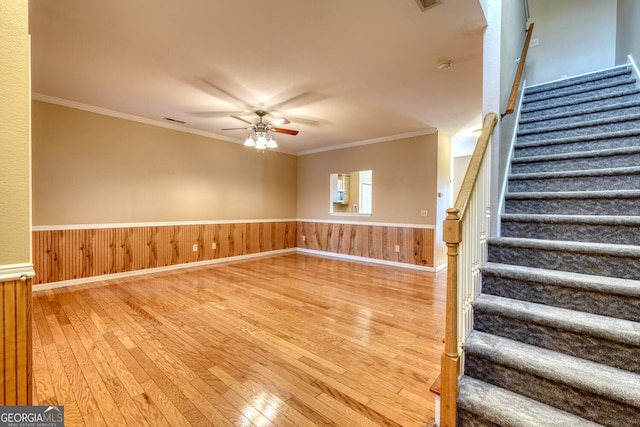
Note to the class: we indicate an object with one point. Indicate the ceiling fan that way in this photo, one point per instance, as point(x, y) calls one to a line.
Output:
point(260, 135)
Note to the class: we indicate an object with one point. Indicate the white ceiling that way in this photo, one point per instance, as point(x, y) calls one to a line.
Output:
point(343, 71)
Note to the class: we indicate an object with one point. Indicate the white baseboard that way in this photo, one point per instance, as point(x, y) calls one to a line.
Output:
point(370, 260)
point(84, 280)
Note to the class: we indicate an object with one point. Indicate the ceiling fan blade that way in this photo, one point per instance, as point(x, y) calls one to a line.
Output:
point(235, 128)
point(287, 131)
point(278, 121)
point(242, 120)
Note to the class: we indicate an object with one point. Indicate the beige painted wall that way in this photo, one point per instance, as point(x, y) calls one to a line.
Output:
point(443, 195)
point(627, 31)
point(15, 233)
point(460, 165)
point(90, 168)
point(404, 180)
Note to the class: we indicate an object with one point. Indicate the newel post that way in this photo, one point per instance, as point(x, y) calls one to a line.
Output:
point(450, 362)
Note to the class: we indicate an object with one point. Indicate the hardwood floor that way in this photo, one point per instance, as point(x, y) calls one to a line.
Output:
point(292, 340)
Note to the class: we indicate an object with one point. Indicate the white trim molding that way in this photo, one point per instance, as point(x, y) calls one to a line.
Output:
point(13, 272)
point(209, 222)
point(85, 280)
point(130, 117)
point(428, 131)
point(153, 122)
point(376, 224)
point(151, 224)
point(371, 260)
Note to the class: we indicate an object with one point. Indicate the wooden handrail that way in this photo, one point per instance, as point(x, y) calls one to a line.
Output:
point(490, 121)
point(452, 236)
point(513, 96)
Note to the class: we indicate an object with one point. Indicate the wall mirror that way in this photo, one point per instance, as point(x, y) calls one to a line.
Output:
point(351, 192)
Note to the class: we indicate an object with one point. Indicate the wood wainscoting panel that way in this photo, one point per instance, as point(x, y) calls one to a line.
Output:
point(60, 255)
point(370, 241)
point(15, 362)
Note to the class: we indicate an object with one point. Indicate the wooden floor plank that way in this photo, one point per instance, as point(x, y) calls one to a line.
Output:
point(43, 384)
point(290, 340)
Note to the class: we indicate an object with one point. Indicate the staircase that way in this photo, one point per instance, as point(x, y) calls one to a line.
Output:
point(556, 338)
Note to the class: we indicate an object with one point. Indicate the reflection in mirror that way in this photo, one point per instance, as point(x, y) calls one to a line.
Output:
point(351, 192)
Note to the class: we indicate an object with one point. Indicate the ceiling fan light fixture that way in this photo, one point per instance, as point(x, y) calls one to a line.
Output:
point(271, 143)
point(260, 135)
point(249, 142)
point(261, 143)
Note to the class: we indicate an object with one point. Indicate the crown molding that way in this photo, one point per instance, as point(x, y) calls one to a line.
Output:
point(429, 131)
point(131, 117)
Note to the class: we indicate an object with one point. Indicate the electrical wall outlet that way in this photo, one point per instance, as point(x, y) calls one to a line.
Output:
point(214, 245)
point(304, 238)
point(534, 42)
point(195, 247)
point(397, 248)
point(424, 212)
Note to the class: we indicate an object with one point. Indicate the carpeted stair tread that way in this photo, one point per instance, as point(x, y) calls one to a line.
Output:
point(567, 246)
point(588, 324)
point(578, 114)
point(630, 221)
point(577, 117)
point(504, 408)
point(624, 230)
point(579, 91)
point(576, 203)
point(579, 160)
point(613, 383)
point(589, 100)
point(577, 173)
point(578, 155)
point(616, 194)
point(606, 296)
point(610, 285)
point(629, 122)
point(579, 125)
point(606, 259)
point(621, 71)
point(576, 180)
point(581, 138)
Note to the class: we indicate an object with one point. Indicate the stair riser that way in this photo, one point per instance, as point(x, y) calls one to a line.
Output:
point(541, 124)
point(587, 405)
point(587, 263)
point(583, 183)
point(585, 163)
point(583, 206)
point(577, 146)
point(580, 131)
point(597, 233)
point(588, 102)
point(591, 79)
point(586, 347)
point(621, 307)
point(540, 101)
